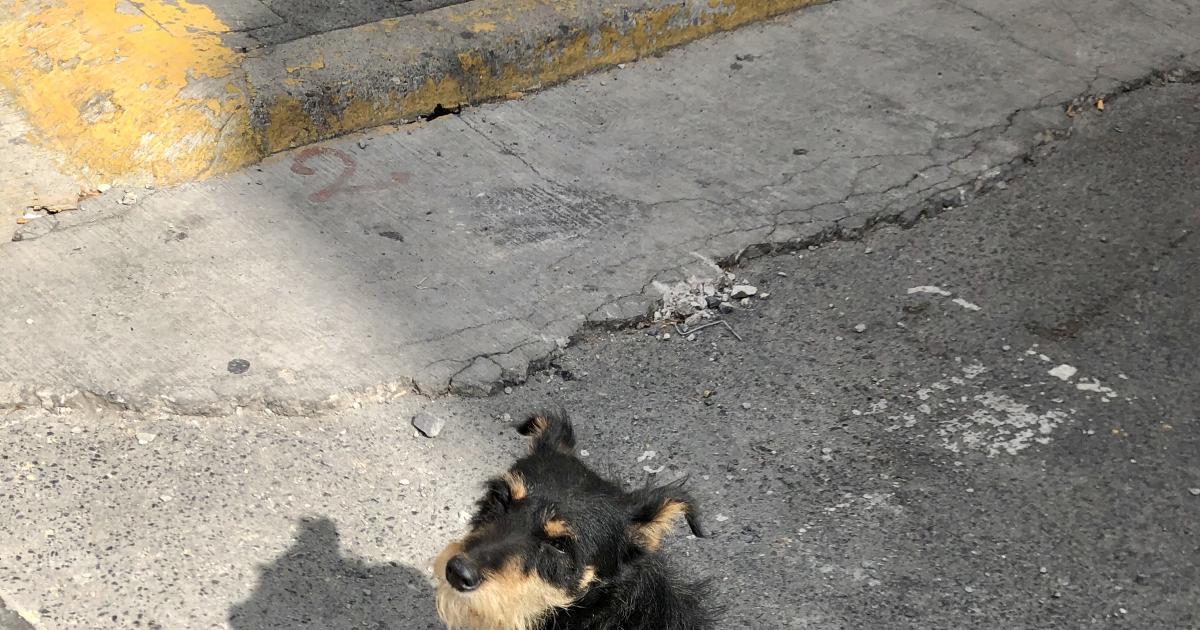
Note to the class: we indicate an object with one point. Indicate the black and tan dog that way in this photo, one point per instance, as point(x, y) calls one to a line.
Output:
point(553, 546)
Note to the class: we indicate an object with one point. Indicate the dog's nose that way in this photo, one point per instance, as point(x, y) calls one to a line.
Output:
point(461, 575)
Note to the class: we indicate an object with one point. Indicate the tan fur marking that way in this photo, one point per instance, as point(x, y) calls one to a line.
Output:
point(650, 535)
point(508, 599)
point(558, 528)
point(537, 426)
point(589, 576)
point(516, 485)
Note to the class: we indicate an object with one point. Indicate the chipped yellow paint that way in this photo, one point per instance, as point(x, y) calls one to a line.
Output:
point(121, 97)
point(315, 64)
point(476, 80)
point(150, 93)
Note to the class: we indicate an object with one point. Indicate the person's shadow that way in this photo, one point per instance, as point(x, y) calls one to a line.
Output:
point(313, 586)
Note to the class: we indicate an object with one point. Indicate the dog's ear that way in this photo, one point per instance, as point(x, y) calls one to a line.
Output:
point(654, 512)
point(549, 431)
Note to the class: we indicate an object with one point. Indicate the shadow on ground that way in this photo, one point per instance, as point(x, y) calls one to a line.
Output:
point(313, 585)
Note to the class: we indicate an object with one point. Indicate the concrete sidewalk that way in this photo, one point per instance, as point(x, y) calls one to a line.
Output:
point(169, 91)
point(452, 256)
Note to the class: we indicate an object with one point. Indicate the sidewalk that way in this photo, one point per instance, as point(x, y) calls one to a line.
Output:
point(453, 255)
point(169, 91)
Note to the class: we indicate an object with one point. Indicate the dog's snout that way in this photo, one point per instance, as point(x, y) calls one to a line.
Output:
point(462, 575)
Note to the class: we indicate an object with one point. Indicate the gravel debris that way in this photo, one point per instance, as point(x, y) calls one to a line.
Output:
point(860, 328)
point(742, 291)
point(428, 424)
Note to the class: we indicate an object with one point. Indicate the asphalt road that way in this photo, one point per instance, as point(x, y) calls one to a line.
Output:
point(929, 471)
point(1013, 445)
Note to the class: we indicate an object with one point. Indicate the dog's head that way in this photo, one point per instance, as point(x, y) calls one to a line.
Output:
point(548, 531)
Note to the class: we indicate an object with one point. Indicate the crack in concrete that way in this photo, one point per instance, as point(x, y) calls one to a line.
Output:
point(918, 202)
point(502, 149)
point(1010, 37)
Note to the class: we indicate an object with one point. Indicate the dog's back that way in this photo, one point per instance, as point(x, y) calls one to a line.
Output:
point(647, 595)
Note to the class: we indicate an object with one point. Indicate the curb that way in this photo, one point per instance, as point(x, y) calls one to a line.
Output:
point(161, 93)
point(10, 619)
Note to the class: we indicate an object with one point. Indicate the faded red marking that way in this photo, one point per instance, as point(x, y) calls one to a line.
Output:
point(300, 167)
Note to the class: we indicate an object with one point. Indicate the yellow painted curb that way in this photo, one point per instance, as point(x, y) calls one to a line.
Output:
point(152, 94)
point(145, 95)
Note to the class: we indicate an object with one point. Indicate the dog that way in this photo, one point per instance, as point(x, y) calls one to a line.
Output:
point(553, 546)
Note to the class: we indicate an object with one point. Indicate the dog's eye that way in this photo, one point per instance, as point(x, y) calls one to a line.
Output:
point(557, 544)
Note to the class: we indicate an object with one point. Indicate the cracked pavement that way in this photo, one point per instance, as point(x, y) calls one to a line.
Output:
point(988, 419)
point(451, 256)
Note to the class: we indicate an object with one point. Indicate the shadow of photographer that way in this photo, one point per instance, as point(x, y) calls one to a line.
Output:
point(314, 586)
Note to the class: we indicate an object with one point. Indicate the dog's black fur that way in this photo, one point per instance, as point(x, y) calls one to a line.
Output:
point(587, 551)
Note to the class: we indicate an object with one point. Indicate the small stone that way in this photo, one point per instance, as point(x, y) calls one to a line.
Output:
point(745, 405)
point(1194, 491)
point(584, 453)
point(238, 366)
point(740, 291)
point(721, 518)
point(646, 455)
point(691, 337)
point(428, 424)
point(969, 589)
point(781, 274)
point(128, 199)
point(665, 336)
point(745, 301)
point(104, 187)
point(1043, 570)
point(165, 498)
point(695, 319)
point(838, 338)
point(508, 390)
point(145, 438)
point(860, 328)
point(725, 307)
point(404, 482)
point(712, 301)
point(763, 296)
point(29, 322)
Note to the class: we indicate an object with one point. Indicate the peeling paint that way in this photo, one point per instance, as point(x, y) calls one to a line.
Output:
point(61, 64)
point(184, 110)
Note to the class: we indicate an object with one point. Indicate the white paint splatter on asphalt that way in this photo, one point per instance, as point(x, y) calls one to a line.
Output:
point(930, 289)
point(1063, 372)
